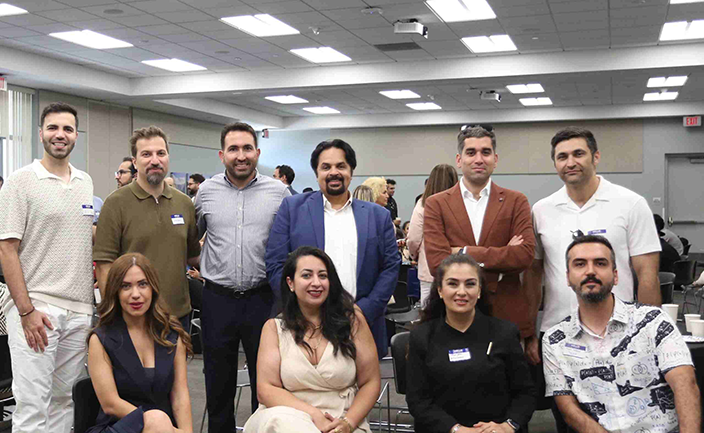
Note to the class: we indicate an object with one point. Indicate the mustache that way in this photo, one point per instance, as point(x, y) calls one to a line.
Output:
point(333, 177)
point(591, 280)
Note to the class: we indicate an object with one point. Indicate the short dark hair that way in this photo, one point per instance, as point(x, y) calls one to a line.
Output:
point(350, 156)
point(573, 132)
point(590, 239)
point(307, 189)
point(147, 133)
point(237, 126)
point(285, 170)
point(474, 132)
point(133, 169)
point(390, 182)
point(58, 107)
point(1, 179)
point(197, 177)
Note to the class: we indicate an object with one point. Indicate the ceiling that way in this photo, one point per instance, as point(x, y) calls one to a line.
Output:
point(585, 53)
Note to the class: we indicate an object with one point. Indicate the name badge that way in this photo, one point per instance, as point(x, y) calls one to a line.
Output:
point(87, 210)
point(575, 350)
point(458, 355)
point(596, 232)
point(177, 219)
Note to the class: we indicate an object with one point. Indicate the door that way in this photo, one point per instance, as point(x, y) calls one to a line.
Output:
point(684, 198)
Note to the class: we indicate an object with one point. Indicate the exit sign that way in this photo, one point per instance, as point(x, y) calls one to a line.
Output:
point(688, 121)
point(3, 84)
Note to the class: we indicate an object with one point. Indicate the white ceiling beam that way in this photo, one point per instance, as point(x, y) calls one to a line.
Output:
point(634, 111)
point(567, 62)
point(256, 119)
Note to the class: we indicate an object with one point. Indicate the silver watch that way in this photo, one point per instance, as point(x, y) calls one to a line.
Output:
point(513, 424)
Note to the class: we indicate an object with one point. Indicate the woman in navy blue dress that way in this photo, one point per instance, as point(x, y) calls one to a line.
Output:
point(137, 355)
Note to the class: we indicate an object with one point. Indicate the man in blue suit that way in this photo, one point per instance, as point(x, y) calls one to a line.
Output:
point(358, 236)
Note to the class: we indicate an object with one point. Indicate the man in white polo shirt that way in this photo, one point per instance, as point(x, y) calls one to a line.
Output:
point(590, 205)
point(45, 250)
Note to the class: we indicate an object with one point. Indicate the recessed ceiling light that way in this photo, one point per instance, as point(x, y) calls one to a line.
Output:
point(461, 10)
point(525, 88)
point(174, 65)
point(91, 39)
point(286, 99)
point(424, 106)
point(680, 30)
point(260, 25)
point(321, 55)
point(7, 9)
point(400, 94)
point(489, 44)
point(321, 110)
point(676, 81)
point(660, 96)
point(532, 102)
point(679, 2)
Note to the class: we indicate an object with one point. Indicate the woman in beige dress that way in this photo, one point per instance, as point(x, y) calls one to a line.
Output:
point(317, 368)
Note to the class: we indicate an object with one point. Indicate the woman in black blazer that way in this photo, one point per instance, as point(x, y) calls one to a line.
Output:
point(466, 371)
point(137, 355)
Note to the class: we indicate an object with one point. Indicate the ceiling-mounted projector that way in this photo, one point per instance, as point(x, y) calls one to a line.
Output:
point(490, 95)
point(411, 26)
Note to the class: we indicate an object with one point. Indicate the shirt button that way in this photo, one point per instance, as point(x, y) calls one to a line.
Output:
point(239, 246)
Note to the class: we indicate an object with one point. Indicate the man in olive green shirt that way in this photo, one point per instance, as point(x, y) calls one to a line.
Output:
point(149, 217)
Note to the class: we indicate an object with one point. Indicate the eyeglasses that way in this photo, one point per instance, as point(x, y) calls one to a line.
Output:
point(486, 127)
point(119, 173)
point(576, 234)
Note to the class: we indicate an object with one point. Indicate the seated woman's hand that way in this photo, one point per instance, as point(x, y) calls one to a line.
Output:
point(322, 420)
point(337, 426)
point(492, 427)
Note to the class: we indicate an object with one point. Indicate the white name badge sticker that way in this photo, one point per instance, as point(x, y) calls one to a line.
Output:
point(576, 350)
point(458, 355)
point(87, 210)
point(177, 220)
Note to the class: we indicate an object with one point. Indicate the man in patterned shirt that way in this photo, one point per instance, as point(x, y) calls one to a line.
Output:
point(45, 249)
point(613, 365)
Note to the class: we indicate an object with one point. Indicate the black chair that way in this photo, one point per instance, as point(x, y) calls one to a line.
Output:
point(401, 303)
point(667, 285)
point(399, 350)
point(85, 405)
point(684, 277)
point(685, 252)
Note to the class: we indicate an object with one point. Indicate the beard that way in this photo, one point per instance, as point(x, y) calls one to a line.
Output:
point(594, 297)
point(234, 174)
point(58, 154)
point(335, 191)
point(155, 179)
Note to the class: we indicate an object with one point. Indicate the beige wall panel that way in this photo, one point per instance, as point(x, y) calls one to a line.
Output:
point(80, 104)
point(98, 146)
point(180, 130)
point(522, 148)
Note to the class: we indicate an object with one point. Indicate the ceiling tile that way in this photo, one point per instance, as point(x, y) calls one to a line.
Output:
point(366, 54)
point(445, 49)
point(185, 16)
point(230, 10)
point(287, 60)
point(251, 45)
point(511, 3)
point(96, 25)
point(134, 53)
point(127, 10)
point(637, 17)
point(67, 15)
point(292, 41)
point(339, 38)
point(40, 5)
point(529, 24)
point(419, 11)
point(582, 40)
point(285, 7)
point(336, 4)
point(52, 28)
point(26, 20)
point(140, 21)
point(209, 26)
point(165, 29)
point(477, 28)
point(206, 47)
point(578, 21)
point(578, 6)
point(633, 4)
point(410, 55)
point(437, 32)
point(16, 32)
point(85, 3)
point(185, 37)
point(537, 42)
point(171, 50)
point(155, 6)
point(382, 35)
point(369, 22)
point(685, 12)
point(307, 18)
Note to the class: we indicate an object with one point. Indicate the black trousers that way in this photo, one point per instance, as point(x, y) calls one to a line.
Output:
point(225, 322)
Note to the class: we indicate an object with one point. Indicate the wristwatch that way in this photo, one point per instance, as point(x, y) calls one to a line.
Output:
point(513, 424)
point(455, 429)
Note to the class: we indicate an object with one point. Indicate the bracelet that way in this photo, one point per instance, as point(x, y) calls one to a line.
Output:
point(455, 429)
point(346, 421)
point(28, 312)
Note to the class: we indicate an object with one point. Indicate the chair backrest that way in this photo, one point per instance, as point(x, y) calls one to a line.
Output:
point(399, 349)
point(684, 272)
point(401, 295)
point(684, 241)
point(685, 251)
point(666, 277)
point(85, 405)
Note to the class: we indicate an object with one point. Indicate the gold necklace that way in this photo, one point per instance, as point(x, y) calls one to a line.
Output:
point(315, 348)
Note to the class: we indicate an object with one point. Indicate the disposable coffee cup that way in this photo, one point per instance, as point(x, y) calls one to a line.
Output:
point(688, 320)
point(697, 327)
point(671, 309)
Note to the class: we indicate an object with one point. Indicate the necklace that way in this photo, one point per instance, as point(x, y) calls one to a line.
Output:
point(315, 348)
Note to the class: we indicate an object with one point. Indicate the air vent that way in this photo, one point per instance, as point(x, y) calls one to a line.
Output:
point(403, 46)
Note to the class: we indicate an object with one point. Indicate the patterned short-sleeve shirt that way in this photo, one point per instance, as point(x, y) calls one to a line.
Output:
point(618, 379)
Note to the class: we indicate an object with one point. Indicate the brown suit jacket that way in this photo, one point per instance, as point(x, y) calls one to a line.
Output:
point(446, 225)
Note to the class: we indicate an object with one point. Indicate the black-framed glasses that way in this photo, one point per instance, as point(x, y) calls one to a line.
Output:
point(576, 234)
point(119, 173)
point(484, 126)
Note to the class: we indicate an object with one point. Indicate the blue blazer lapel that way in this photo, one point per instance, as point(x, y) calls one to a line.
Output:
point(361, 221)
point(315, 207)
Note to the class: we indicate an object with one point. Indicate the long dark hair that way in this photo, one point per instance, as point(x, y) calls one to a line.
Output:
point(336, 314)
point(158, 320)
point(435, 307)
point(442, 177)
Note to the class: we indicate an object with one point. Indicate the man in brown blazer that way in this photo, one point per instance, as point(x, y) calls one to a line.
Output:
point(491, 224)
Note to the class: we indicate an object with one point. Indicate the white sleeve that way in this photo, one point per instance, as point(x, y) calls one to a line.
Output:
point(13, 202)
point(642, 235)
point(539, 253)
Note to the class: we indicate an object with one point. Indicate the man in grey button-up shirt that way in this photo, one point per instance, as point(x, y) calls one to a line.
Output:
point(236, 209)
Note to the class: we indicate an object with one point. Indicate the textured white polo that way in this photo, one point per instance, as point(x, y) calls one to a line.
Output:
point(615, 212)
point(53, 221)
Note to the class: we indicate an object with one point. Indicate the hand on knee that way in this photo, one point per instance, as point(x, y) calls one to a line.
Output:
point(157, 421)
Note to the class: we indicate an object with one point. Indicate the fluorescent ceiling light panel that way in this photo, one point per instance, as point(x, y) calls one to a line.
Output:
point(660, 96)
point(681, 30)
point(525, 88)
point(676, 81)
point(321, 55)
point(174, 65)
point(321, 110)
point(680, 2)
point(286, 99)
point(424, 106)
point(532, 102)
point(260, 25)
point(489, 44)
point(452, 11)
point(7, 9)
point(400, 94)
point(91, 39)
